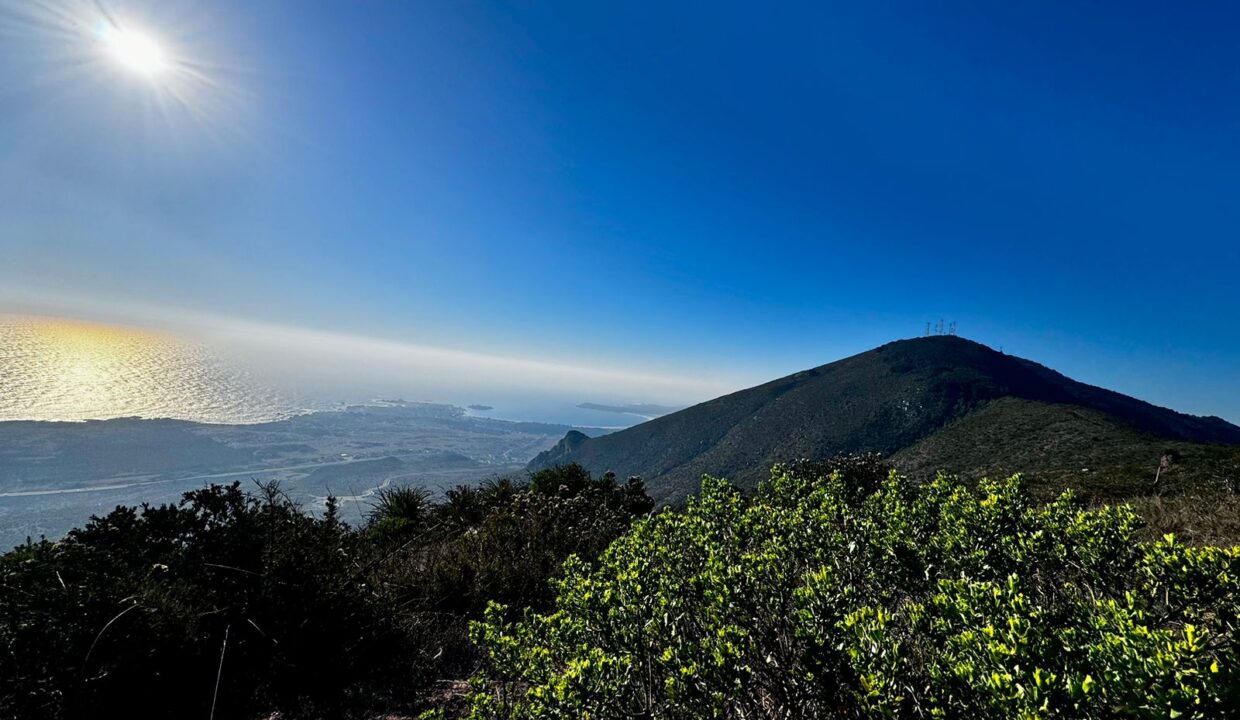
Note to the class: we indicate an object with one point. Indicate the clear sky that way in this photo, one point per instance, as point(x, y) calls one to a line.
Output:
point(705, 190)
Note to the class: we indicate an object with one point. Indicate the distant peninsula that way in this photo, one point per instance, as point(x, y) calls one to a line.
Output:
point(646, 410)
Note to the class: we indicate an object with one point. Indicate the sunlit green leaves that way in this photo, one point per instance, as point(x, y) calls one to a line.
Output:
point(812, 599)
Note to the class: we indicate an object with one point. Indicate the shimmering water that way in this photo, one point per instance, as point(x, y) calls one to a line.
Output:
point(58, 369)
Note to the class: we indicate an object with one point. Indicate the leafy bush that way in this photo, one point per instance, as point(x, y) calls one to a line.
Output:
point(815, 599)
point(138, 613)
point(503, 541)
point(232, 605)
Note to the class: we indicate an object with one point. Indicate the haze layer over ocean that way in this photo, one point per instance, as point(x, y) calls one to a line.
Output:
point(60, 369)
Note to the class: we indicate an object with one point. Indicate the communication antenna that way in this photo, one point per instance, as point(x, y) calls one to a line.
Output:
point(927, 334)
point(952, 330)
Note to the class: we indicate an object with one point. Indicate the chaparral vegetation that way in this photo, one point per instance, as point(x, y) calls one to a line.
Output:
point(856, 594)
point(838, 589)
point(236, 605)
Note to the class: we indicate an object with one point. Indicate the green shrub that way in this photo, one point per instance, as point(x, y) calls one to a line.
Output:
point(139, 612)
point(400, 513)
point(504, 541)
point(819, 599)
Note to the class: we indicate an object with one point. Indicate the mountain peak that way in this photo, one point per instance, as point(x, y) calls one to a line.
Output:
point(886, 399)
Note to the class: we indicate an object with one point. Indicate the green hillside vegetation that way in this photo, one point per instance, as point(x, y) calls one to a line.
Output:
point(895, 399)
point(1071, 447)
point(857, 595)
point(1185, 488)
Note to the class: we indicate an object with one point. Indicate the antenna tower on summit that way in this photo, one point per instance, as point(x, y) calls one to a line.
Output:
point(940, 328)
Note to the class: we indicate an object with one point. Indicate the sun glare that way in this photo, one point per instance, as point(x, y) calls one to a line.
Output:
point(135, 51)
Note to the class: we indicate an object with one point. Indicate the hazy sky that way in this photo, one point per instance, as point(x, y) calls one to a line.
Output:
point(715, 191)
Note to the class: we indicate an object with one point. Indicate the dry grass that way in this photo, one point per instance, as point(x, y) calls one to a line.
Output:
point(1210, 519)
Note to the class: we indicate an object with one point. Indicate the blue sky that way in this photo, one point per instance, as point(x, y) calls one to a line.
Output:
point(721, 191)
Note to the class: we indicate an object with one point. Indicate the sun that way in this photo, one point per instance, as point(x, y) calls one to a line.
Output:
point(135, 51)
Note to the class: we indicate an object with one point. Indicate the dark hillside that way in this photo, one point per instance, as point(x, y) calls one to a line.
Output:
point(970, 364)
point(884, 400)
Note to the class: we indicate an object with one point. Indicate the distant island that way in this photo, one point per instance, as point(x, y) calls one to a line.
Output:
point(646, 410)
point(480, 408)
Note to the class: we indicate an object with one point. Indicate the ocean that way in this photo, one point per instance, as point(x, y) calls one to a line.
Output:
point(60, 369)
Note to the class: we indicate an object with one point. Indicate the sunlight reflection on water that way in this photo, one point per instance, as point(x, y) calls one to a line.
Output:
point(58, 369)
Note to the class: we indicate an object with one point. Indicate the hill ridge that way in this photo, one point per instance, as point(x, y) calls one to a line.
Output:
point(885, 399)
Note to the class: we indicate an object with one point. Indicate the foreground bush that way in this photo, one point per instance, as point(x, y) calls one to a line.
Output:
point(813, 599)
point(226, 604)
point(232, 605)
point(501, 541)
